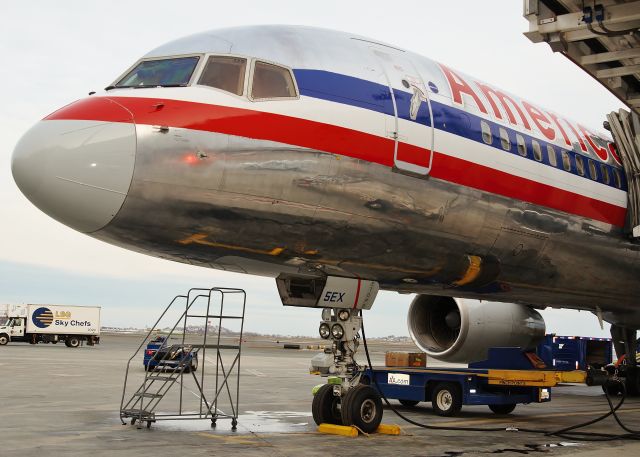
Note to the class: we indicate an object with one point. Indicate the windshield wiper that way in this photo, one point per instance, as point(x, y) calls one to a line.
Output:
point(145, 86)
point(173, 85)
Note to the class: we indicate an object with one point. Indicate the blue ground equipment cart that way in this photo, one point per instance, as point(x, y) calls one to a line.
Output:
point(508, 377)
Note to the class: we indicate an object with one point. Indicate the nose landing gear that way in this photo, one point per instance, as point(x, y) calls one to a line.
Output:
point(344, 401)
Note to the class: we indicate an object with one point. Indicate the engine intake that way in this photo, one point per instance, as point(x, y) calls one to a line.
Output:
point(457, 330)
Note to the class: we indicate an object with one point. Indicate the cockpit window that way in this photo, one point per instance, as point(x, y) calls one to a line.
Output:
point(226, 73)
point(160, 72)
point(272, 81)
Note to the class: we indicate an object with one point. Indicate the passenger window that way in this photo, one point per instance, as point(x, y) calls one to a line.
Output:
point(226, 73)
point(551, 154)
point(272, 81)
point(605, 173)
point(566, 162)
point(522, 148)
point(504, 139)
point(618, 178)
point(579, 165)
point(537, 151)
point(593, 172)
point(487, 137)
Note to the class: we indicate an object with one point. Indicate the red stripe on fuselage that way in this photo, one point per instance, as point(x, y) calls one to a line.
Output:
point(337, 140)
point(236, 121)
point(498, 182)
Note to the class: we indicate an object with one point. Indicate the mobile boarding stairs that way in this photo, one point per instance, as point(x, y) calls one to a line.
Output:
point(177, 382)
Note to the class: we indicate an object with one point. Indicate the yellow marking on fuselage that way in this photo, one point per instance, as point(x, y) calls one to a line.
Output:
point(473, 271)
point(201, 238)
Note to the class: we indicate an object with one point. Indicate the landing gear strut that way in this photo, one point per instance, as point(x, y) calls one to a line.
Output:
point(344, 401)
point(624, 340)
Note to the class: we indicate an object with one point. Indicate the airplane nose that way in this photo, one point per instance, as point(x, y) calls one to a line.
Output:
point(77, 171)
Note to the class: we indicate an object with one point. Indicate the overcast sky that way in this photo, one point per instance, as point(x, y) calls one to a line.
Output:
point(56, 52)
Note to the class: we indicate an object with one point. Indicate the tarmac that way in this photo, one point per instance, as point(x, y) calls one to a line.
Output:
point(59, 401)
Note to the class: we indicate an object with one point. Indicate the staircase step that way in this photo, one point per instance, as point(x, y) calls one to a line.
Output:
point(136, 413)
point(161, 378)
point(146, 395)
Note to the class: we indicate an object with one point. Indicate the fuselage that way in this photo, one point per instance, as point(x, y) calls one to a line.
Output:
point(370, 162)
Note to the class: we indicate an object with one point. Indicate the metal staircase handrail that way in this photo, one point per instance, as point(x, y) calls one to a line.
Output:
point(126, 376)
point(126, 373)
point(155, 386)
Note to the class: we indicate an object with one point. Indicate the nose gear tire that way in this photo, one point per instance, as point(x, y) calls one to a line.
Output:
point(326, 406)
point(362, 407)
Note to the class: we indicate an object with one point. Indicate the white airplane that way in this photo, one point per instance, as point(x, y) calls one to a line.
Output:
point(340, 165)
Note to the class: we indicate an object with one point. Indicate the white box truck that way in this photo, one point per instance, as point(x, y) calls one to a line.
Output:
point(52, 324)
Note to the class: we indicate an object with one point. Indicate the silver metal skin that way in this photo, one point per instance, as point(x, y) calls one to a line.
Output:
point(267, 208)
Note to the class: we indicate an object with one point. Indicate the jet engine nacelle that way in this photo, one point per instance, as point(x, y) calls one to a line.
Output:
point(456, 330)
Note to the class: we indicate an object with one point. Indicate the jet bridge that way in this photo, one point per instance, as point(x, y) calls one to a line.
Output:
point(603, 38)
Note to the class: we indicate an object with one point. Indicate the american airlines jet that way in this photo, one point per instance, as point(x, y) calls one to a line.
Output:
point(340, 165)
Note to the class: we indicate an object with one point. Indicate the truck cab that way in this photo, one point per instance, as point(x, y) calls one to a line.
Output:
point(13, 330)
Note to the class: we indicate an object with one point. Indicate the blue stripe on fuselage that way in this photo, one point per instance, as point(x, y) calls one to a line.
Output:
point(373, 96)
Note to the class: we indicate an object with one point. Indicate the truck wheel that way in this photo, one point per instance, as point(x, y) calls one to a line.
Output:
point(409, 403)
point(503, 409)
point(446, 399)
point(73, 342)
point(4, 339)
point(362, 407)
point(326, 406)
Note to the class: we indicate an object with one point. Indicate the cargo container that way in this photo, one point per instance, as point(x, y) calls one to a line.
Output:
point(405, 359)
point(51, 324)
point(575, 352)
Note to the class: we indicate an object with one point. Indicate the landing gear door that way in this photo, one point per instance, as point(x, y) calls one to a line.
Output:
point(329, 292)
point(411, 124)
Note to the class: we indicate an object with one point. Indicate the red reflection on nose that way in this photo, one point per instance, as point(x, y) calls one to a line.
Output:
point(196, 158)
point(190, 159)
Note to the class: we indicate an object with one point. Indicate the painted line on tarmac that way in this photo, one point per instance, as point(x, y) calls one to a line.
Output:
point(527, 419)
point(248, 439)
point(257, 373)
point(199, 397)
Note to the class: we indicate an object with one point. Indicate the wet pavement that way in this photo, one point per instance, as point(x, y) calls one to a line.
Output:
point(58, 401)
